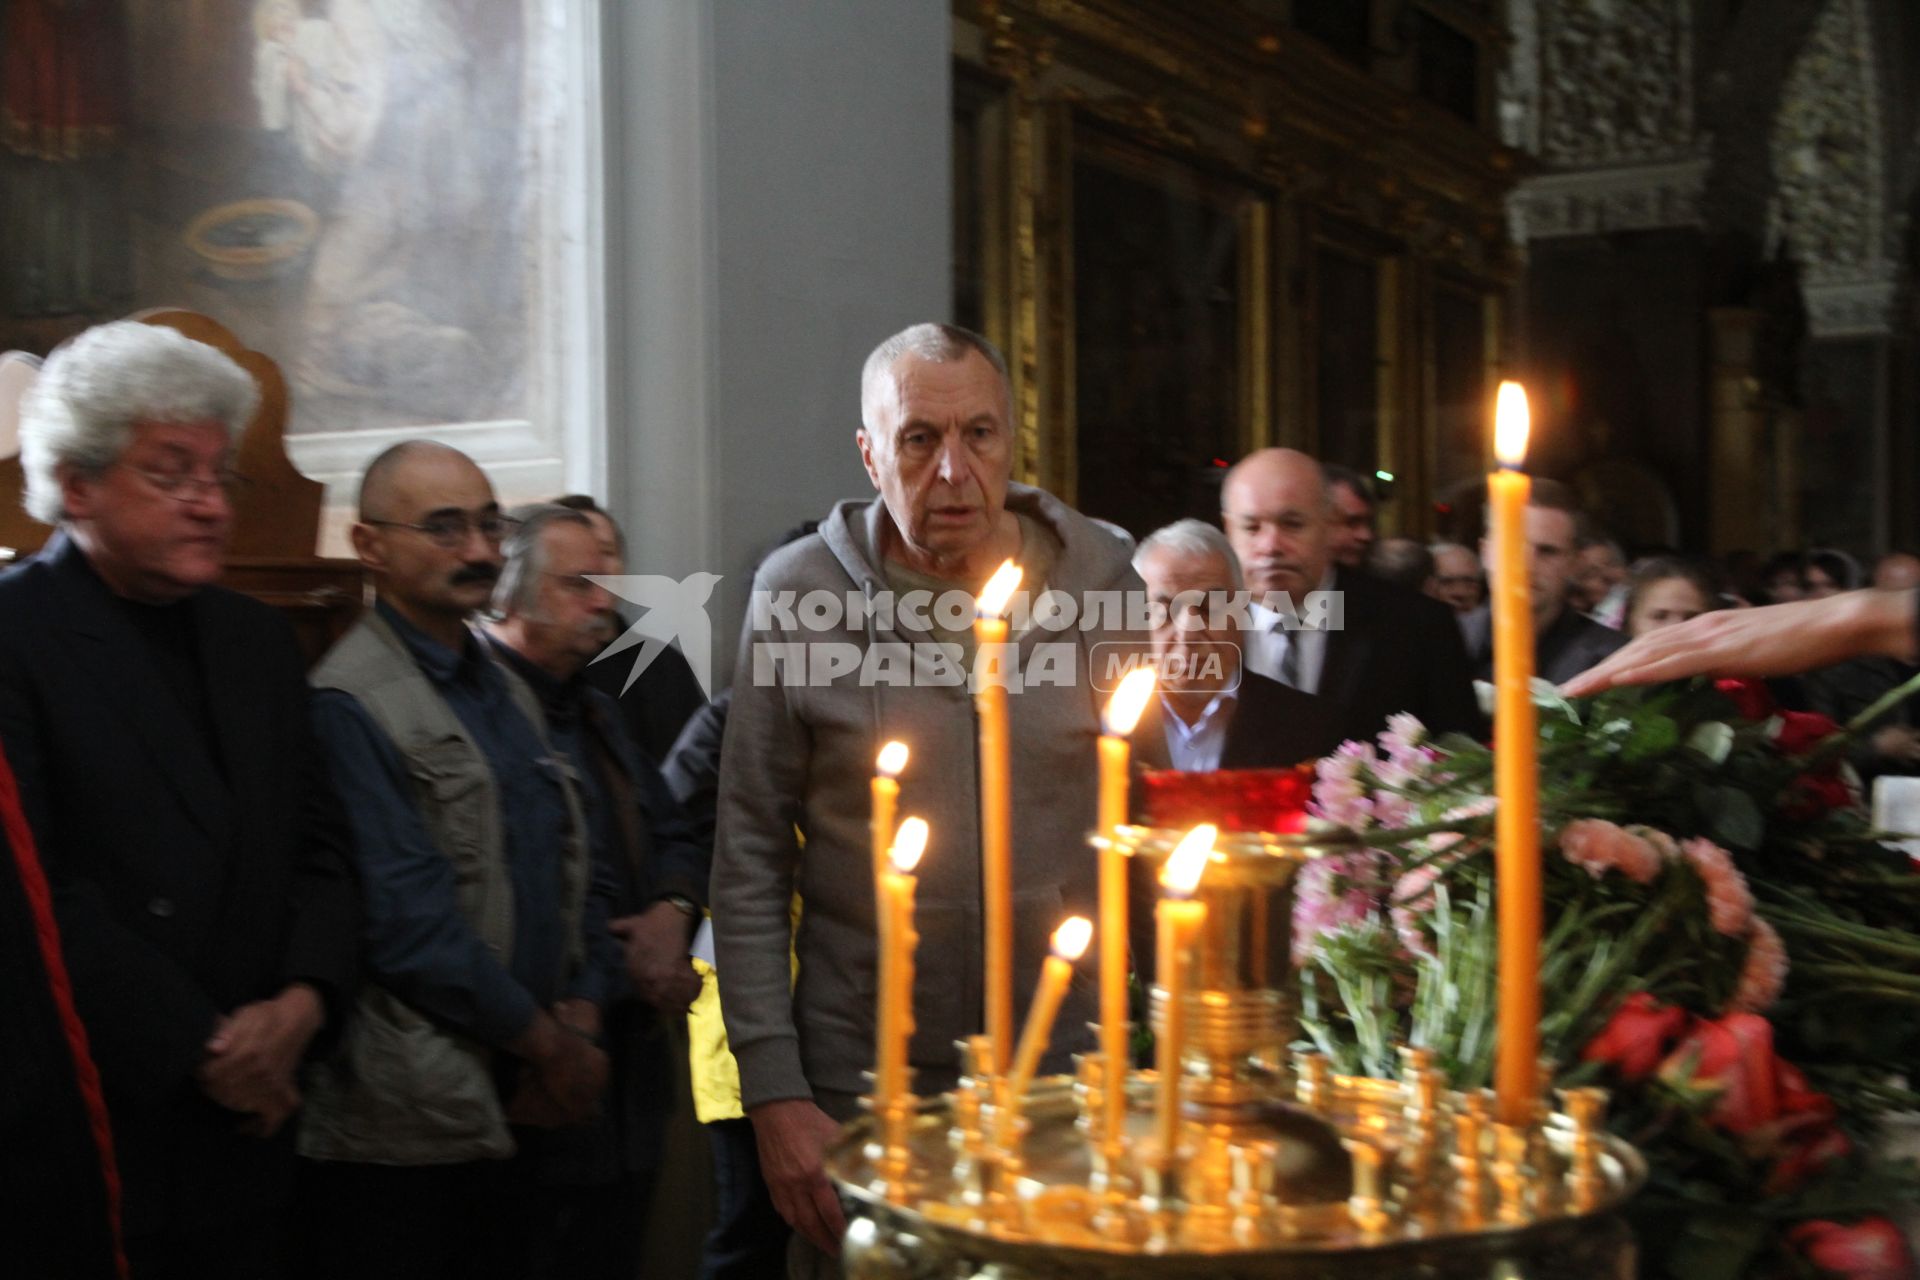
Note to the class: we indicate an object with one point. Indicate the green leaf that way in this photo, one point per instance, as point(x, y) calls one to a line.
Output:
point(1716, 1247)
point(1731, 815)
point(1654, 736)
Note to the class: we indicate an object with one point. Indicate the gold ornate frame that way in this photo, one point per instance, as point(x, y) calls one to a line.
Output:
point(1324, 150)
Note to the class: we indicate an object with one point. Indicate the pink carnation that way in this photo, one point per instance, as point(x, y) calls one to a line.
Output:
point(1330, 894)
point(1663, 844)
point(1599, 847)
point(1765, 973)
point(1729, 901)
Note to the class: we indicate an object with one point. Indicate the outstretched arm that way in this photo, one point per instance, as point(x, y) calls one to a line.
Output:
point(1778, 640)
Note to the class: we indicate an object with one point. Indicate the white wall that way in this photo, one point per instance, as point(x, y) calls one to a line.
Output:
point(778, 181)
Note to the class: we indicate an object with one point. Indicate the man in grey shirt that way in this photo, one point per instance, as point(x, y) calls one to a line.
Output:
point(937, 443)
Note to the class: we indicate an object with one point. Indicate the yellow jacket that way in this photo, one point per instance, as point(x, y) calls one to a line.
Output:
point(716, 1076)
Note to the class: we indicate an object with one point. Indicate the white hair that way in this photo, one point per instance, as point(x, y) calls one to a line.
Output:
point(93, 389)
point(938, 343)
point(1191, 538)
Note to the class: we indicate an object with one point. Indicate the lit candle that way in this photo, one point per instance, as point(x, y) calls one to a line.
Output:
point(886, 795)
point(897, 941)
point(1123, 713)
point(996, 822)
point(1069, 944)
point(1516, 772)
point(1180, 921)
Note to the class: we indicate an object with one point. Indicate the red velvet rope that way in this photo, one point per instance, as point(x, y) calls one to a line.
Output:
point(13, 819)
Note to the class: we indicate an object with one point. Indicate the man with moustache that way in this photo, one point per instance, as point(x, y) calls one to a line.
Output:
point(168, 777)
point(487, 956)
point(550, 618)
point(936, 437)
point(1366, 649)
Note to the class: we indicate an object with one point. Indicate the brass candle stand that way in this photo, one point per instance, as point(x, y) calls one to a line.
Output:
point(1281, 1168)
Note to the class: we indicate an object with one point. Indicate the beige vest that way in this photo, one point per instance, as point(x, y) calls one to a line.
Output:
point(403, 1089)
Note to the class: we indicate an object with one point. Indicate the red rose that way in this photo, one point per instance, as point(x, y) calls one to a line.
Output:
point(1814, 795)
point(1637, 1037)
point(1805, 1155)
point(1801, 731)
point(1733, 1060)
point(1870, 1249)
point(1751, 699)
point(1794, 1095)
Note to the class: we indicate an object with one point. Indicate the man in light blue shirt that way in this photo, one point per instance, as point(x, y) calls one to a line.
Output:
point(1199, 666)
point(1213, 711)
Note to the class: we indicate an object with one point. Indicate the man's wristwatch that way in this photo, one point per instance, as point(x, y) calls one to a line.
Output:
point(683, 904)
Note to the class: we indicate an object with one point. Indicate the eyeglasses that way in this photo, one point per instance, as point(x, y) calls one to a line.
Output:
point(188, 486)
point(451, 531)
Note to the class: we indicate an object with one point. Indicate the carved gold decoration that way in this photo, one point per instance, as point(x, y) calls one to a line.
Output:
point(1217, 91)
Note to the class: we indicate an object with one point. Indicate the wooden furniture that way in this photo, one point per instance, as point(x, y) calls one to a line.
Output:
point(276, 521)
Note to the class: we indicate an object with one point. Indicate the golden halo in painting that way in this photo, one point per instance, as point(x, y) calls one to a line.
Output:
point(252, 239)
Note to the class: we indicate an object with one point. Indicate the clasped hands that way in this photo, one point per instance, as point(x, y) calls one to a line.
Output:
point(565, 1071)
point(254, 1052)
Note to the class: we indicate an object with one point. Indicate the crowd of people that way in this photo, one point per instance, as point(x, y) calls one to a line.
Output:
point(375, 970)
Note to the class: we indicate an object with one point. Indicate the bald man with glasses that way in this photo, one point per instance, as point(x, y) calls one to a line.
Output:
point(485, 935)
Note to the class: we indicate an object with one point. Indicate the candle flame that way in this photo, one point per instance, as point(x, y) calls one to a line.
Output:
point(999, 590)
point(1181, 875)
point(893, 758)
point(1128, 701)
point(1510, 425)
point(1071, 938)
point(908, 844)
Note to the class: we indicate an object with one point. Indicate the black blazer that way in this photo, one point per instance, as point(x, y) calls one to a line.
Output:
point(53, 1197)
point(1572, 644)
point(1398, 651)
point(184, 885)
point(1273, 727)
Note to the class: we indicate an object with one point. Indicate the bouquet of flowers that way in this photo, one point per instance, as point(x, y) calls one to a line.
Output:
point(1728, 945)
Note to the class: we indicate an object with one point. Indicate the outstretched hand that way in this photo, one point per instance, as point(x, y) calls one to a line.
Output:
point(1778, 640)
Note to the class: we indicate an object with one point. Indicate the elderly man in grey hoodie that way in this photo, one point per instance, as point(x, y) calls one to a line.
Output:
point(937, 443)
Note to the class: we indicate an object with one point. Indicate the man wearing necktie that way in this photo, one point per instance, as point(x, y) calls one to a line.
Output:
point(1366, 649)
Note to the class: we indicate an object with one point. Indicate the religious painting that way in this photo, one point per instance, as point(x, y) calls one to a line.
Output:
point(363, 189)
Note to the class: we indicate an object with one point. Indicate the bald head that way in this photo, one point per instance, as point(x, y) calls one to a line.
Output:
point(1277, 513)
point(402, 468)
point(429, 534)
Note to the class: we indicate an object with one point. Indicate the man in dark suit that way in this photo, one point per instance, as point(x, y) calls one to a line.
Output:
point(159, 729)
point(1366, 649)
point(1212, 713)
point(1565, 641)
